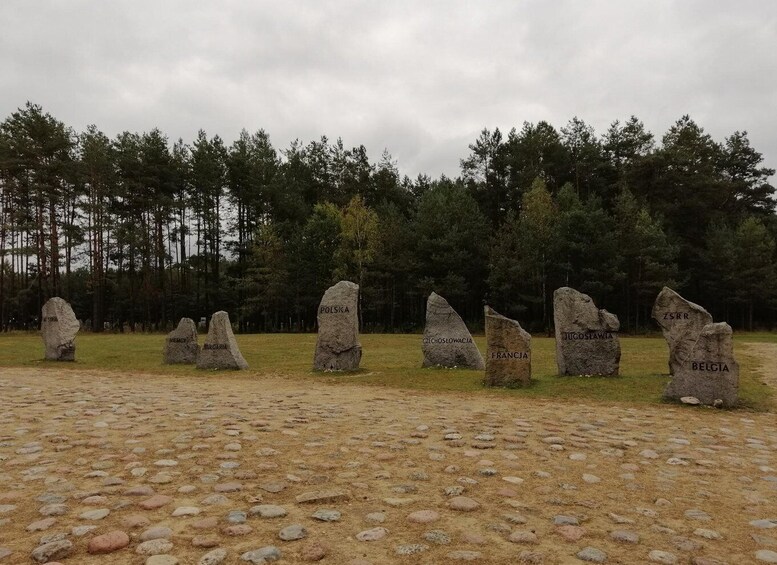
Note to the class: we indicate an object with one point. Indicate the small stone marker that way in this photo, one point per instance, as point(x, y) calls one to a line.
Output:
point(586, 337)
point(181, 343)
point(447, 341)
point(681, 322)
point(337, 346)
point(710, 372)
point(220, 350)
point(59, 327)
point(508, 353)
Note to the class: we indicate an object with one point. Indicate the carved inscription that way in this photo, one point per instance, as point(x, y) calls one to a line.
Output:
point(215, 346)
point(428, 340)
point(586, 335)
point(676, 316)
point(711, 367)
point(334, 310)
point(509, 355)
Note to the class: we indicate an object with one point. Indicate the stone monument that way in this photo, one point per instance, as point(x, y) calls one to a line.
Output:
point(181, 344)
point(508, 352)
point(447, 341)
point(681, 322)
point(220, 350)
point(709, 373)
point(59, 327)
point(337, 346)
point(586, 337)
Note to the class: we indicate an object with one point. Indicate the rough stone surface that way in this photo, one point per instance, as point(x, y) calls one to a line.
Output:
point(293, 532)
point(154, 547)
point(108, 543)
point(337, 345)
point(508, 353)
point(373, 534)
point(59, 327)
point(766, 556)
point(592, 555)
point(181, 344)
point(52, 550)
point(710, 372)
point(664, 557)
point(423, 516)
point(447, 341)
point(586, 337)
point(681, 322)
point(690, 400)
point(215, 557)
point(325, 515)
point(268, 511)
point(321, 496)
point(314, 552)
point(157, 532)
point(220, 350)
point(262, 555)
point(463, 504)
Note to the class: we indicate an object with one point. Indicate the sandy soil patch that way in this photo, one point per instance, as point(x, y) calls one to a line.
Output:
point(688, 481)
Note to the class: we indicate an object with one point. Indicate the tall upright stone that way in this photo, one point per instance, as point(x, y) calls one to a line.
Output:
point(337, 345)
point(447, 341)
point(508, 351)
point(681, 322)
point(181, 344)
point(220, 350)
point(710, 372)
point(586, 337)
point(59, 327)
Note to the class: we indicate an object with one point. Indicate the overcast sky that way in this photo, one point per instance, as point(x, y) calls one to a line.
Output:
point(420, 79)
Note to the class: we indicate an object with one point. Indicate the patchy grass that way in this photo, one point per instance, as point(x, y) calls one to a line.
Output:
point(394, 361)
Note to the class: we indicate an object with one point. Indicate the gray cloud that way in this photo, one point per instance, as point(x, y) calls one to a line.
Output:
point(420, 79)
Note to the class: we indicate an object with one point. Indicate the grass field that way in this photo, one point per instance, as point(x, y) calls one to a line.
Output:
point(392, 360)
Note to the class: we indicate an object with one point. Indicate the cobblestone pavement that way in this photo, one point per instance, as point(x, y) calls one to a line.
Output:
point(112, 468)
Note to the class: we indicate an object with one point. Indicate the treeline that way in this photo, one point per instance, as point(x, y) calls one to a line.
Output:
point(137, 231)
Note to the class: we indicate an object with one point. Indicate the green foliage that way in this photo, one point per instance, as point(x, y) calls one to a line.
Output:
point(648, 257)
point(138, 231)
point(754, 266)
point(358, 240)
point(451, 239)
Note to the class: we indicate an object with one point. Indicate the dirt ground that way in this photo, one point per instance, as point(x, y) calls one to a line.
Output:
point(767, 354)
point(681, 480)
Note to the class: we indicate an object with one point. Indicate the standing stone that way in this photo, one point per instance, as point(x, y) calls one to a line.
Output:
point(447, 341)
point(59, 327)
point(337, 346)
point(586, 337)
point(681, 322)
point(220, 350)
point(508, 352)
point(710, 372)
point(181, 343)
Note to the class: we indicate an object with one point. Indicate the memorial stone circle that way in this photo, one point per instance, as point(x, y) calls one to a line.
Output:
point(447, 341)
point(681, 322)
point(220, 350)
point(508, 351)
point(586, 337)
point(181, 344)
point(59, 327)
point(337, 345)
point(710, 373)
